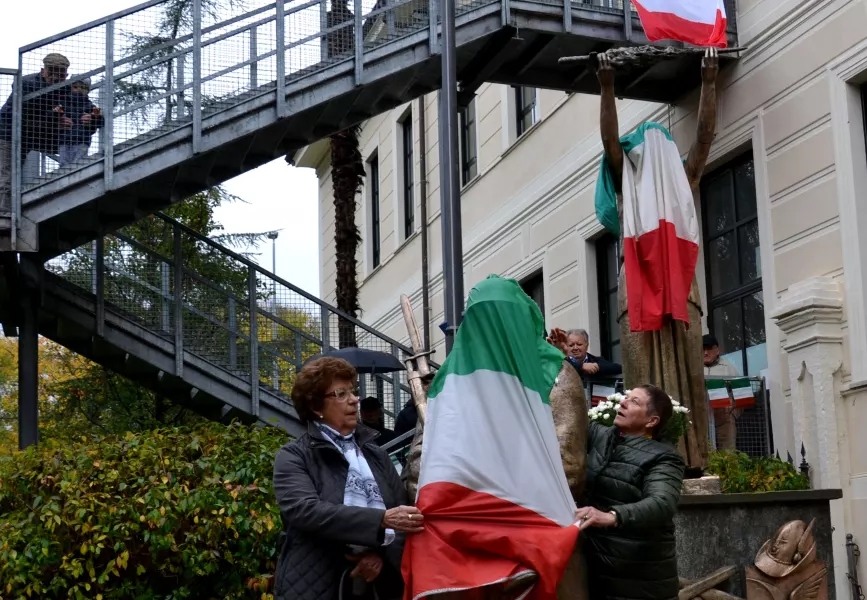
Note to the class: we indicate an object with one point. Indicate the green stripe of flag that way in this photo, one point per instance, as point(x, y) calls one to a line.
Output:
point(716, 389)
point(741, 388)
point(502, 330)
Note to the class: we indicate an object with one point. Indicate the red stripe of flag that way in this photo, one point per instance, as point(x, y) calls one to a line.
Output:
point(473, 539)
point(659, 270)
point(669, 26)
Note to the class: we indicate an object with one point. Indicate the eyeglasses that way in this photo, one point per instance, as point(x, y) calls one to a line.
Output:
point(343, 395)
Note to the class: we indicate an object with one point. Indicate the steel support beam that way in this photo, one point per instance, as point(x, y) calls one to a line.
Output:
point(28, 369)
point(484, 64)
point(450, 186)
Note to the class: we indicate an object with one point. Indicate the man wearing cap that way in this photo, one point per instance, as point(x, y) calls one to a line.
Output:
point(371, 415)
point(717, 367)
point(42, 119)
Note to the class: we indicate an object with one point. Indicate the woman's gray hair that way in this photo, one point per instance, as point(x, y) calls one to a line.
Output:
point(580, 332)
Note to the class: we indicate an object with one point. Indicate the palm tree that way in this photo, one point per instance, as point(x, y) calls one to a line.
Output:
point(347, 176)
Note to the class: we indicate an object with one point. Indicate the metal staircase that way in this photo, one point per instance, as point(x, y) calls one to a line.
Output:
point(210, 99)
point(186, 102)
point(115, 301)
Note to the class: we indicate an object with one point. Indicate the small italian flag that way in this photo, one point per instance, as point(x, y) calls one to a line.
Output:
point(718, 393)
point(492, 486)
point(742, 392)
point(696, 22)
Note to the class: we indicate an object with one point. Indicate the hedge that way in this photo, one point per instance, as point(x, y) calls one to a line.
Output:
point(167, 514)
point(740, 473)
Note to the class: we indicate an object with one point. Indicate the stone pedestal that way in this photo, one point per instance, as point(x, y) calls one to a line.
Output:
point(810, 314)
point(703, 486)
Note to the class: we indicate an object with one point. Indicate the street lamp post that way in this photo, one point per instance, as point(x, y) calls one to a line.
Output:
point(453, 254)
point(276, 374)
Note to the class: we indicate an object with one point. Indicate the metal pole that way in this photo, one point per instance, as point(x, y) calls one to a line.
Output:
point(17, 155)
point(453, 256)
point(197, 76)
point(100, 285)
point(108, 109)
point(28, 372)
point(281, 59)
point(179, 300)
point(254, 341)
point(273, 237)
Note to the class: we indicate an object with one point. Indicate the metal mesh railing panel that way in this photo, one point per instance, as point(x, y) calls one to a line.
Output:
point(60, 104)
point(287, 329)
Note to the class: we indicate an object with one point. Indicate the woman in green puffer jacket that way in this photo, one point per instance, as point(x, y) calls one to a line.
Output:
point(633, 486)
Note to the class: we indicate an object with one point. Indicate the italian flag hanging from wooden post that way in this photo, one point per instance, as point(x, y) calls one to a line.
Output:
point(696, 22)
point(660, 226)
point(492, 486)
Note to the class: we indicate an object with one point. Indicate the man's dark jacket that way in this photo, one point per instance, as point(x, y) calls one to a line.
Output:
point(640, 479)
point(407, 419)
point(309, 482)
point(607, 369)
point(40, 127)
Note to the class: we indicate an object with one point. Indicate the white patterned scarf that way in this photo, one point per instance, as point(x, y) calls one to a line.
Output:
point(361, 487)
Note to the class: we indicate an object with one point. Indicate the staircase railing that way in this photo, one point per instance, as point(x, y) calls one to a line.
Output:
point(230, 311)
point(153, 74)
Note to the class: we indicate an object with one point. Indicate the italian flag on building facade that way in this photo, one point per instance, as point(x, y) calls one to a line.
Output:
point(660, 227)
point(492, 486)
point(696, 22)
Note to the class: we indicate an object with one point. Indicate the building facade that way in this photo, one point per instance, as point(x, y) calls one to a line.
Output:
point(783, 207)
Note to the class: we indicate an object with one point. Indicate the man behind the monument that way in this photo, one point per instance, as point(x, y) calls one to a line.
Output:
point(660, 322)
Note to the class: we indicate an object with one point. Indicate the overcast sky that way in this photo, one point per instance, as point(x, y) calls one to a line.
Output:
point(279, 197)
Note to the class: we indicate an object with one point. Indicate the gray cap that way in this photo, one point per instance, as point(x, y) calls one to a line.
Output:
point(81, 80)
point(56, 60)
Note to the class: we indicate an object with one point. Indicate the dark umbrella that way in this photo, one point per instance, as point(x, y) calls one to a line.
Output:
point(366, 361)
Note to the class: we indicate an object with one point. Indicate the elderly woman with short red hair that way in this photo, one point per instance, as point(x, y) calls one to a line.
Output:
point(342, 501)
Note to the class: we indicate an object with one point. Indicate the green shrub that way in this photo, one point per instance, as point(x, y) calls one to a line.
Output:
point(173, 513)
point(740, 473)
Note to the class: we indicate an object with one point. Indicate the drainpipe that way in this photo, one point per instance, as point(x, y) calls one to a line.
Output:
point(425, 277)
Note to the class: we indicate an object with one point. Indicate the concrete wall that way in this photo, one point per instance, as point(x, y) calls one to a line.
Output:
point(792, 100)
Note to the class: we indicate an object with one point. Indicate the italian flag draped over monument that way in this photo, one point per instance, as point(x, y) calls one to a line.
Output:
point(660, 227)
point(492, 486)
point(696, 22)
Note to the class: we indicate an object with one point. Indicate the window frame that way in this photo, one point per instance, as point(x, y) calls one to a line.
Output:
point(741, 291)
point(531, 281)
point(375, 217)
point(407, 167)
point(468, 142)
point(522, 110)
point(604, 290)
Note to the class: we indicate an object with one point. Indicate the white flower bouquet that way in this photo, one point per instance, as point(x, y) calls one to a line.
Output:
point(604, 412)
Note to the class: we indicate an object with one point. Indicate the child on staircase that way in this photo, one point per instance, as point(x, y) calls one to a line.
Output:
point(86, 119)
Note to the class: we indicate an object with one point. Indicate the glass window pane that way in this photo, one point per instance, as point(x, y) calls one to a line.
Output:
point(613, 327)
point(719, 203)
point(616, 354)
point(528, 98)
point(611, 262)
point(748, 247)
point(723, 264)
point(754, 330)
point(745, 191)
point(727, 327)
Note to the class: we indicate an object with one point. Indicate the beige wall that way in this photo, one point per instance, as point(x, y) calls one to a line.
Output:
point(791, 100)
